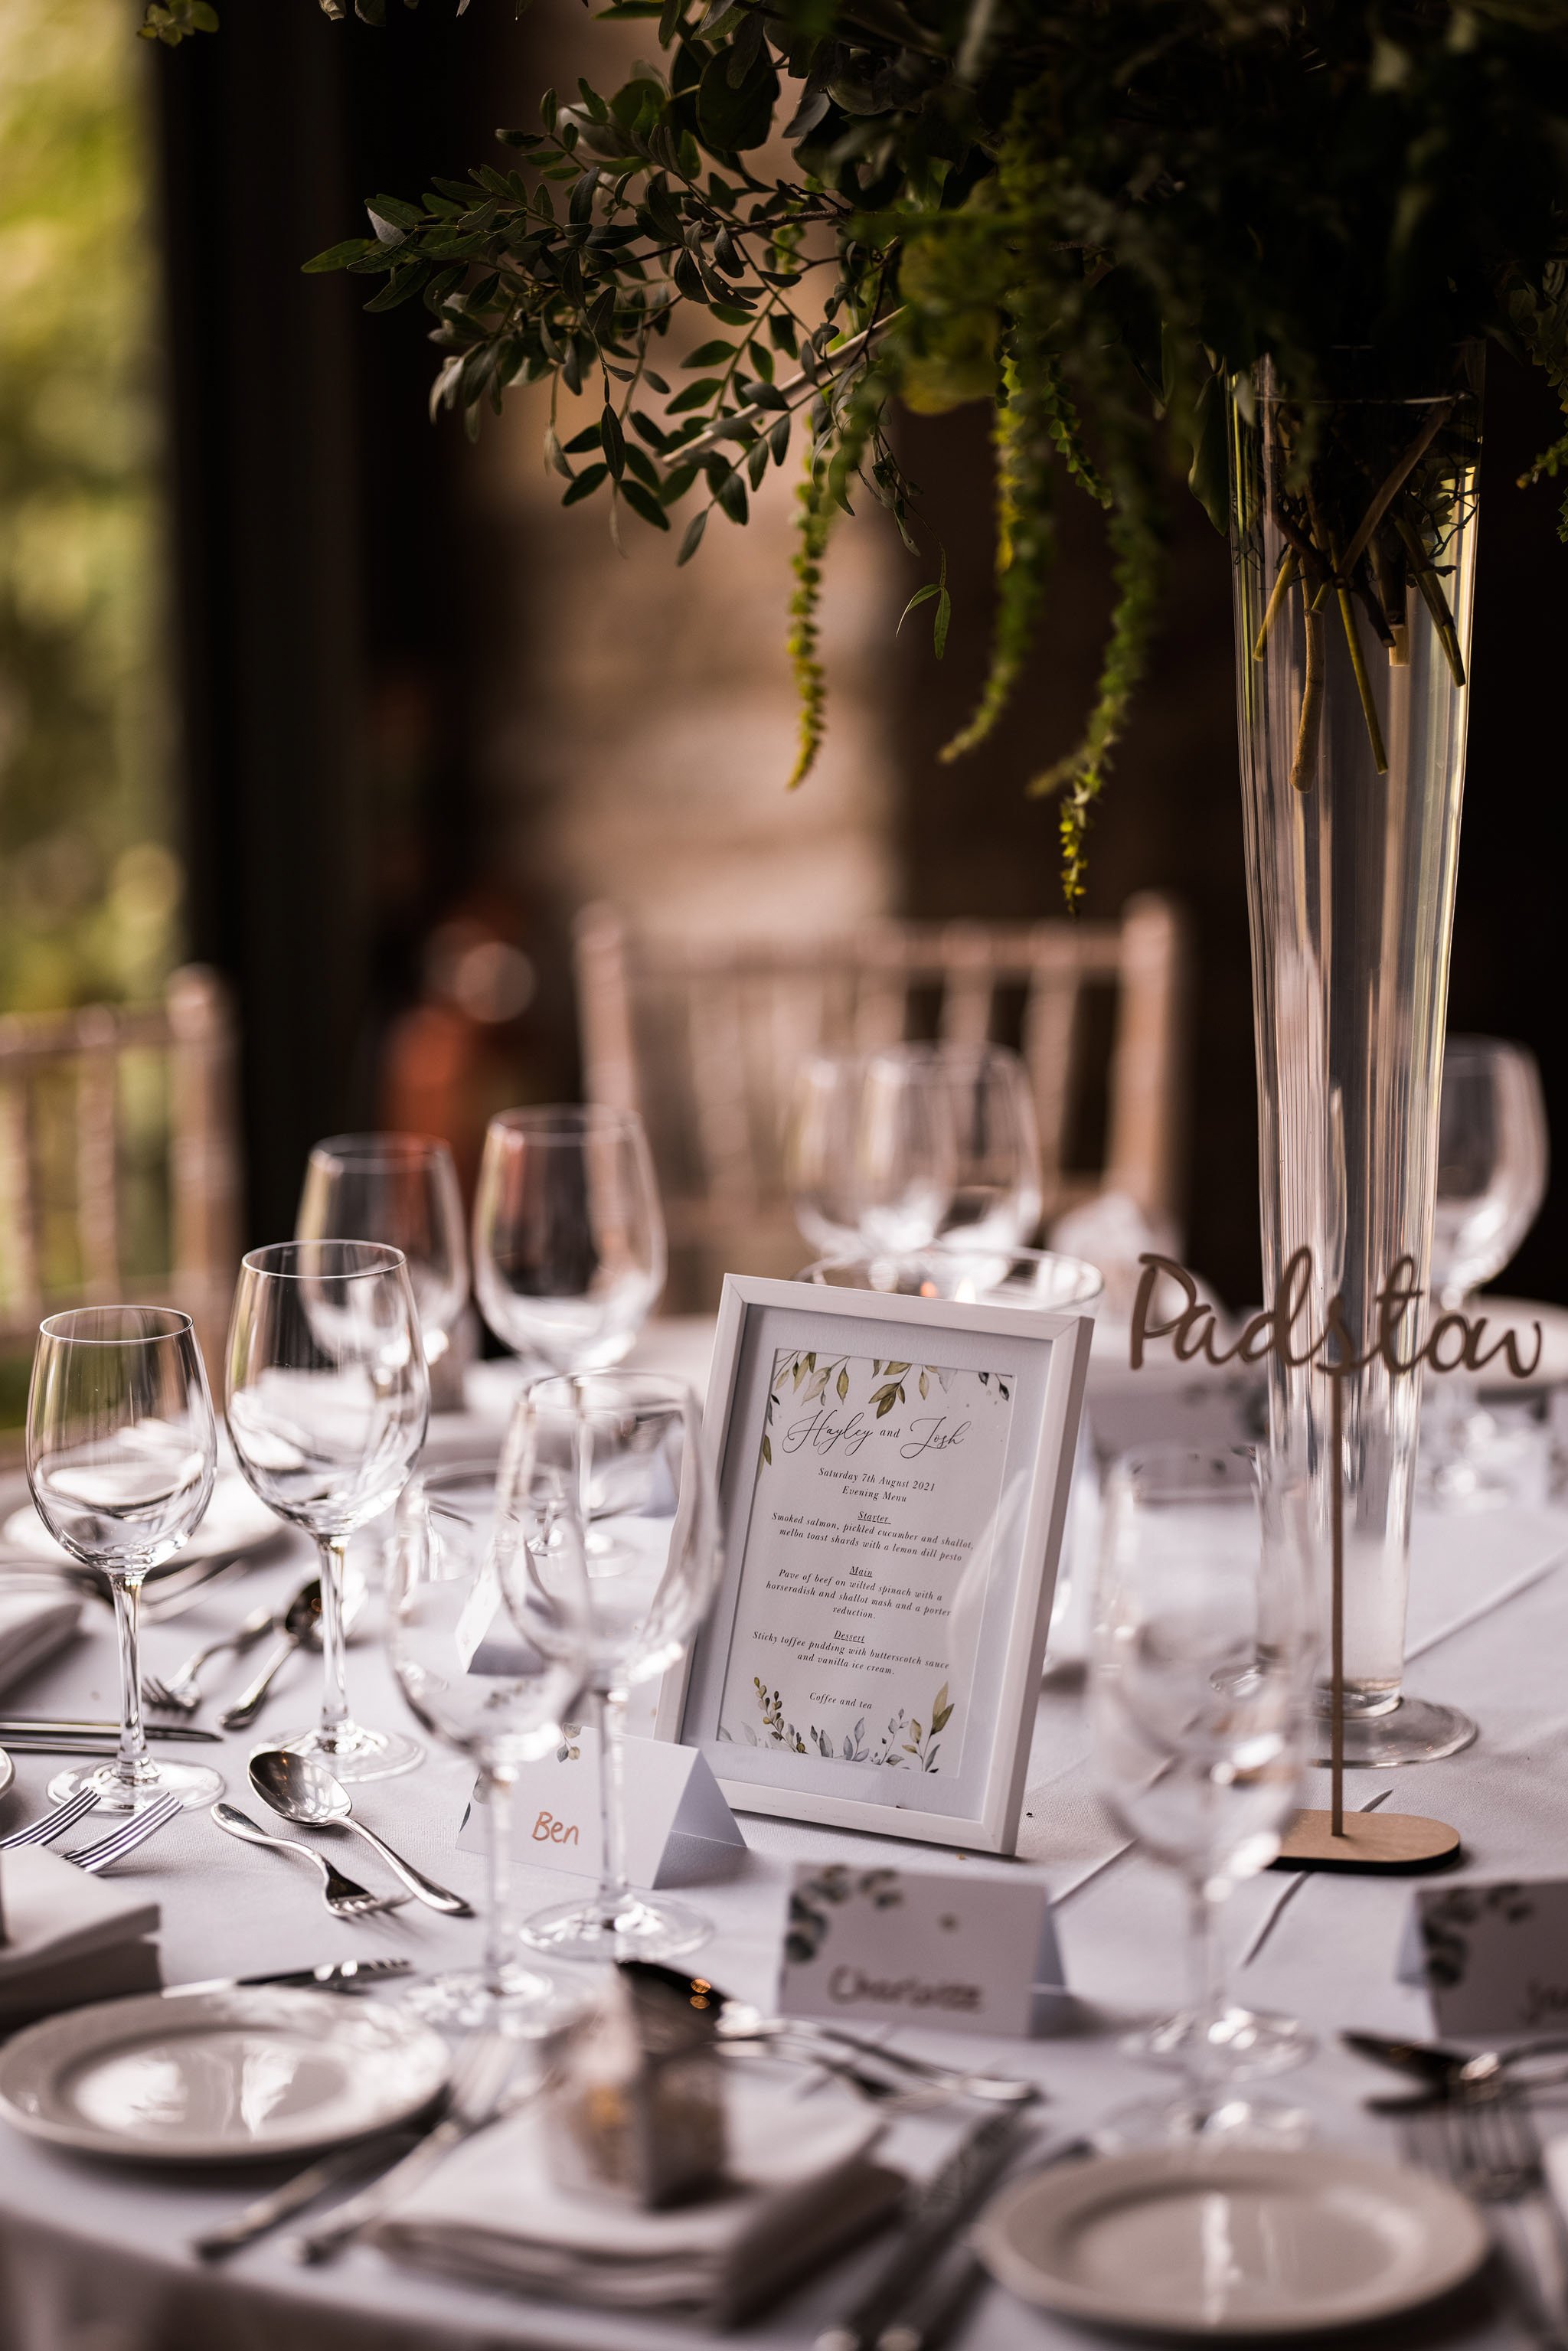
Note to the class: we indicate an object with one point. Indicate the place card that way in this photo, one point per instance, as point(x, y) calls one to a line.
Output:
point(677, 1823)
point(956, 1953)
point(1494, 1957)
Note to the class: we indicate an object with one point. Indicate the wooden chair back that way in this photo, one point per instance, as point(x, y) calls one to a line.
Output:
point(118, 1171)
point(705, 1039)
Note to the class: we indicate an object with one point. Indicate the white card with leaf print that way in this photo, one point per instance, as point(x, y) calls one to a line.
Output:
point(871, 1549)
point(1493, 1958)
point(957, 1952)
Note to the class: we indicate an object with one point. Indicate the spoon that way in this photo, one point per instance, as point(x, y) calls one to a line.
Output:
point(304, 1791)
point(301, 1628)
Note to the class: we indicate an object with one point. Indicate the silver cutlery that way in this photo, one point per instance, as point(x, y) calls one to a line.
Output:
point(269, 2212)
point(300, 1625)
point(743, 2024)
point(932, 2313)
point(163, 1599)
point(481, 2075)
point(344, 1896)
point(331, 1975)
point(1489, 2148)
point(935, 2216)
point(1446, 2073)
point(305, 1792)
point(133, 1831)
point(52, 1825)
point(15, 1727)
point(181, 1694)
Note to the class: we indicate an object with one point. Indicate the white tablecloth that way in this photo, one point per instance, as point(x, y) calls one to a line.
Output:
point(92, 2256)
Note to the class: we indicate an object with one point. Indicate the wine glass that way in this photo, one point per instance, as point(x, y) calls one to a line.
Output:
point(121, 1450)
point(569, 1238)
point(610, 1468)
point(493, 1675)
point(1493, 1155)
point(328, 1400)
point(905, 1149)
point(997, 1198)
point(403, 1189)
point(1197, 1704)
point(819, 1151)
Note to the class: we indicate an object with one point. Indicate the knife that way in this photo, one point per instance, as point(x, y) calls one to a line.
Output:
point(18, 1726)
point(1447, 2072)
point(332, 1975)
point(937, 2213)
point(932, 2314)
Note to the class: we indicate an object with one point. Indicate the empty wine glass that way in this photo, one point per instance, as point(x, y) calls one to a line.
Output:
point(327, 1400)
point(612, 1468)
point(493, 1674)
point(819, 1151)
point(569, 1238)
point(905, 1149)
point(995, 1197)
point(1198, 1702)
point(121, 1455)
point(401, 1189)
point(1492, 1163)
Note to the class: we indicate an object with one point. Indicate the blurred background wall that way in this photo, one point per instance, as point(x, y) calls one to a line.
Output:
point(294, 683)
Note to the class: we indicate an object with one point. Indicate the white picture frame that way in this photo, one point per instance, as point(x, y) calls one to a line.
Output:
point(1044, 1359)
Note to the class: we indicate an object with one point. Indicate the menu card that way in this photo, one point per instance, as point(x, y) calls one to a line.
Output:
point(868, 1560)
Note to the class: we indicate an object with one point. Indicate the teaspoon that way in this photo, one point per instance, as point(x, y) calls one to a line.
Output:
point(304, 1791)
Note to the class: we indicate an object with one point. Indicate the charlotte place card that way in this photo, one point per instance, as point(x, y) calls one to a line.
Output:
point(1493, 1958)
point(966, 1953)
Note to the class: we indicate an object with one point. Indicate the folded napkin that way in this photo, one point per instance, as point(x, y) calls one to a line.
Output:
point(803, 2186)
point(69, 1938)
point(34, 1623)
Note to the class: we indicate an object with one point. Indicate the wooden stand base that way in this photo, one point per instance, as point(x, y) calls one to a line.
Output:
point(1376, 1842)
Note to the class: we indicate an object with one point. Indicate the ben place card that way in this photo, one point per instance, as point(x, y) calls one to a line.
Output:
point(958, 1952)
point(677, 1822)
point(1493, 1958)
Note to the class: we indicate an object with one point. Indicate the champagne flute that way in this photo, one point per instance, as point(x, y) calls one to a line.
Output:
point(493, 1679)
point(569, 1236)
point(328, 1400)
point(609, 1467)
point(121, 1450)
point(1493, 1155)
point(401, 1189)
point(1197, 1704)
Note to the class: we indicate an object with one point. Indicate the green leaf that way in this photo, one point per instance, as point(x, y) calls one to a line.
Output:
point(587, 439)
point(643, 501)
point(587, 482)
point(403, 284)
point(614, 442)
point(730, 119)
point(843, 1385)
point(940, 637)
point(921, 596)
point(695, 395)
point(554, 454)
point(338, 256)
point(731, 495)
point(718, 354)
point(689, 546)
point(733, 313)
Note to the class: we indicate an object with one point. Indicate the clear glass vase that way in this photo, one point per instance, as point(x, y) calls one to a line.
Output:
point(1354, 538)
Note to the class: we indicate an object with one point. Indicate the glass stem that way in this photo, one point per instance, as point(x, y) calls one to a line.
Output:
point(499, 1850)
point(334, 1549)
point(134, 1768)
point(1207, 1965)
point(610, 1712)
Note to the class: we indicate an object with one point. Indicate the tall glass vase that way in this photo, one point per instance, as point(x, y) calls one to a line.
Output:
point(1354, 538)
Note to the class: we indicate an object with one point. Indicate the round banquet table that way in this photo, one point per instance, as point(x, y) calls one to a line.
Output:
point(93, 2255)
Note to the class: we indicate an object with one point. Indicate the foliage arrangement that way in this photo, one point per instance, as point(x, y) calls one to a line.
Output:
point(1095, 215)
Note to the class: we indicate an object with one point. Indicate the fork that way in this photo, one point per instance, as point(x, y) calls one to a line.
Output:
point(481, 2075)
point(51, 1825)
point(744, 2025)
point(181, 1694)
point(95, 1858)
point(344, 1897)
point(1488, 2145)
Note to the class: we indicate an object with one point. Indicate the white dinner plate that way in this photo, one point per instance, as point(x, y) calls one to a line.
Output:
point(1247, 2243)
point(219, 2076)
point(233, 1520)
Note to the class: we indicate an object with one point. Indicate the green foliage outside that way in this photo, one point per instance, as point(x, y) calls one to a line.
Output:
point(88, 891)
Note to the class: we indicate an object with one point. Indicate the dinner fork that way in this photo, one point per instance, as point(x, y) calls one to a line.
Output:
point(181, 1694)
point(1488, 2145)
point(344, 1896)
point(132, 1831)
point(52, 1825)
